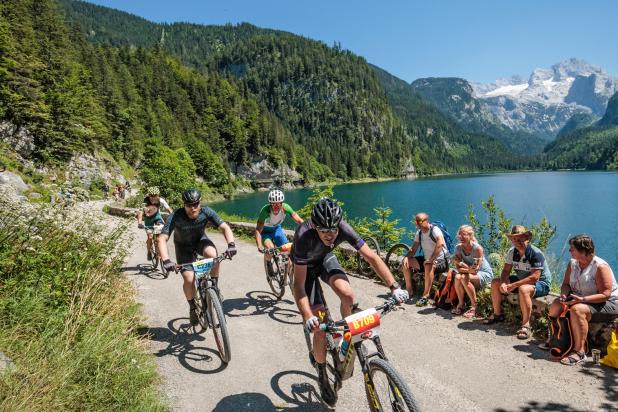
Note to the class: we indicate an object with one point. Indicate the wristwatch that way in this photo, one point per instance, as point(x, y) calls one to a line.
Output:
point(394, 286)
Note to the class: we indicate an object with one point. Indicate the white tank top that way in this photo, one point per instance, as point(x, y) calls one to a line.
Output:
point(583, 281)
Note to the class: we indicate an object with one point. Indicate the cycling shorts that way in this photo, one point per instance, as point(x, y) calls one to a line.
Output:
point(276, 235)
point(188, 253)
point(330, 267)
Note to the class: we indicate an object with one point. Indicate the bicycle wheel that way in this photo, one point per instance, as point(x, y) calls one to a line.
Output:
point(218, 325)
point(154, 261)
point(364, 268)
point(389, 391)
point(277, 280)
point(200, 304)
point(394, 257)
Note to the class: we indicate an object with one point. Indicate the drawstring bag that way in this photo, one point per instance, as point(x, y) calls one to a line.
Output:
point(611, 359)
point(561, 337)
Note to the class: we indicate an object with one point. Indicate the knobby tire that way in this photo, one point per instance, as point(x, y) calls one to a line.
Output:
point(364, 268)
point(219, 325)
point(398, 397)
point(277, 281)
point(393, 257)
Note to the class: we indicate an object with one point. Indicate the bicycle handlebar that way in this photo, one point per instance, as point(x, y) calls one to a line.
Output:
point(337, 326)
point(221, 257)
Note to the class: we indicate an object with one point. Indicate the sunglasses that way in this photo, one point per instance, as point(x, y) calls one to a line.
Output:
point(418, 222)
point(192, 205)
point(327, 229)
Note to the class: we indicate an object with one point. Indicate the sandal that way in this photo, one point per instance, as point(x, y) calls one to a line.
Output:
point(457, 311)
point(494, 319)
point(524, 332)
point(470, 313)
point(422, 301)
point(575, 358)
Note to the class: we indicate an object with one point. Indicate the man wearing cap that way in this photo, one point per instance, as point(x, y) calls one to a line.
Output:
point(531, 279)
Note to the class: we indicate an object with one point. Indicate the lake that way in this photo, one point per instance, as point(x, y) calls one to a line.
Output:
point(575, 202)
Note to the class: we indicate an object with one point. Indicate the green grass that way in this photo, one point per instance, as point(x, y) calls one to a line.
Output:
point(68, 321)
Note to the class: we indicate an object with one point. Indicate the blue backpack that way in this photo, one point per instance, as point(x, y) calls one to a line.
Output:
point(448, 239)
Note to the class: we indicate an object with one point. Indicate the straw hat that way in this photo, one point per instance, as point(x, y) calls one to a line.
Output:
point(519, 230)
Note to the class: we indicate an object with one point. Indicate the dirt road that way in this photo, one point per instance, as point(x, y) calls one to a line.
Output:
point(449, 363)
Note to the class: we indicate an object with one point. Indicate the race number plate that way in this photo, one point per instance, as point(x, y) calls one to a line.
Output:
point(203, 266)
point(364, 325)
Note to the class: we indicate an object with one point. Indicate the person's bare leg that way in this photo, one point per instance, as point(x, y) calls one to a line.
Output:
point(496, 296)
point(526, 292)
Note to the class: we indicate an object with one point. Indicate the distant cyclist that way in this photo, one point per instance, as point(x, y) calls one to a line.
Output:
point(188, 224)
point(312, 254)
point(268, 231)
point(150, 214)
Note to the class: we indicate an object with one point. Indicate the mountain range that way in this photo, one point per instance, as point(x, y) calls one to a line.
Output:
point(525, 113)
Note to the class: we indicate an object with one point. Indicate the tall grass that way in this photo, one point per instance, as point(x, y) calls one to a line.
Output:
point(68, 320)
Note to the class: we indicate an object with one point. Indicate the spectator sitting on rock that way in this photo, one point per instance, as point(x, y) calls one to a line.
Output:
point(473, 270)
point(590, 289)
point(531, 279)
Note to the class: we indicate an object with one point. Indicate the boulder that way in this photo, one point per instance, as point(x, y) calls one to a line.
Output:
point(13, 180)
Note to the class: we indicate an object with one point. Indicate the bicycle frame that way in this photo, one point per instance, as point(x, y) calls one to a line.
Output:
point(333, 328)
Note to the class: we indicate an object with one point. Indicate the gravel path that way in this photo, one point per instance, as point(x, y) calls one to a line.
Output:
point(449, 363)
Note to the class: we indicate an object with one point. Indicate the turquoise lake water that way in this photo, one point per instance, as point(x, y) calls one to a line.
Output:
point(575, 202)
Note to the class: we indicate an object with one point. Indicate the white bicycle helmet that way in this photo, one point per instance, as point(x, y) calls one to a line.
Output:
point(275, 196)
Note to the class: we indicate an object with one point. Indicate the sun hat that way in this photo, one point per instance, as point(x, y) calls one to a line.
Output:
point(519, 230)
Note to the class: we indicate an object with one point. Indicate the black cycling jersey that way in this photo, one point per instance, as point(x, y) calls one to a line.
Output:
point(308, 249)
point(189, 231)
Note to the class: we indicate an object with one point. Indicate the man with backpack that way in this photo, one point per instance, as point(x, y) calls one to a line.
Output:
point(434, 259)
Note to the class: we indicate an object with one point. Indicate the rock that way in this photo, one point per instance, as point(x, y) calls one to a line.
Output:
point(13, 180)
point(18, 138)
point(35, 195)
point(6, 364)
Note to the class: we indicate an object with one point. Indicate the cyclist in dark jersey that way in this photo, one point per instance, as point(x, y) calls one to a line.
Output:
point(188, 225)
point(312, 254)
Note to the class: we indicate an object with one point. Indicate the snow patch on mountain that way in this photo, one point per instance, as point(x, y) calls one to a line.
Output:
point(550, 97)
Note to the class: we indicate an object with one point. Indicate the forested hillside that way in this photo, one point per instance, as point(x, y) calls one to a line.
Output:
point(131, 102)
point(329, 98)
point(455, 98)
point(594, 147)
point(442, 142)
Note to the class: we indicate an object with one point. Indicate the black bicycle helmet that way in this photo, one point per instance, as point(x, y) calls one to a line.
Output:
point(326, 213)
point(191, 196)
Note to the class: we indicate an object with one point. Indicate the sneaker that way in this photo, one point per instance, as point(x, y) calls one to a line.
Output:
point(422, 302)
point(327, 393)
point(193, 317)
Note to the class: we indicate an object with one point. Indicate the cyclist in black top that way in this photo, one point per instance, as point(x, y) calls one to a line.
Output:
point(314, 241)
point(188, 224)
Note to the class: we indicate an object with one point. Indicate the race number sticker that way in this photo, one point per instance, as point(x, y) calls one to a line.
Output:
point(362, 322)
point(202, 266)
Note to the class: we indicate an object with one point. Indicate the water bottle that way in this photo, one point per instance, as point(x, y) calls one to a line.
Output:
point(345, 345)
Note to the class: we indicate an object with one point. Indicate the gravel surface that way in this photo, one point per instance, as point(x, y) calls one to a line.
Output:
point(449, 363)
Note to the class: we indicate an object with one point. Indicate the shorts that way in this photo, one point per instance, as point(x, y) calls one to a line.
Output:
point(540, 288)
point(277, 236)
point(188, 253)
point(154, 220)
point(484, 278)
point(604, 311)
point(330, 267)
point(441, 266)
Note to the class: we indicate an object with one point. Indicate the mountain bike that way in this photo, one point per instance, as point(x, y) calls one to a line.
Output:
point(282, 270)
point(394, 257)
point(384, 387)
point(208, 303)
point(364, 268)
point(155, 260)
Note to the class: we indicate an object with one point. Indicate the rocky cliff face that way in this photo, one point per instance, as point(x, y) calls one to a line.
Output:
point(544, 102)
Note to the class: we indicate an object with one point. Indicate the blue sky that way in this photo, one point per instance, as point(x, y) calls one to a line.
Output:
point(476, 40)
